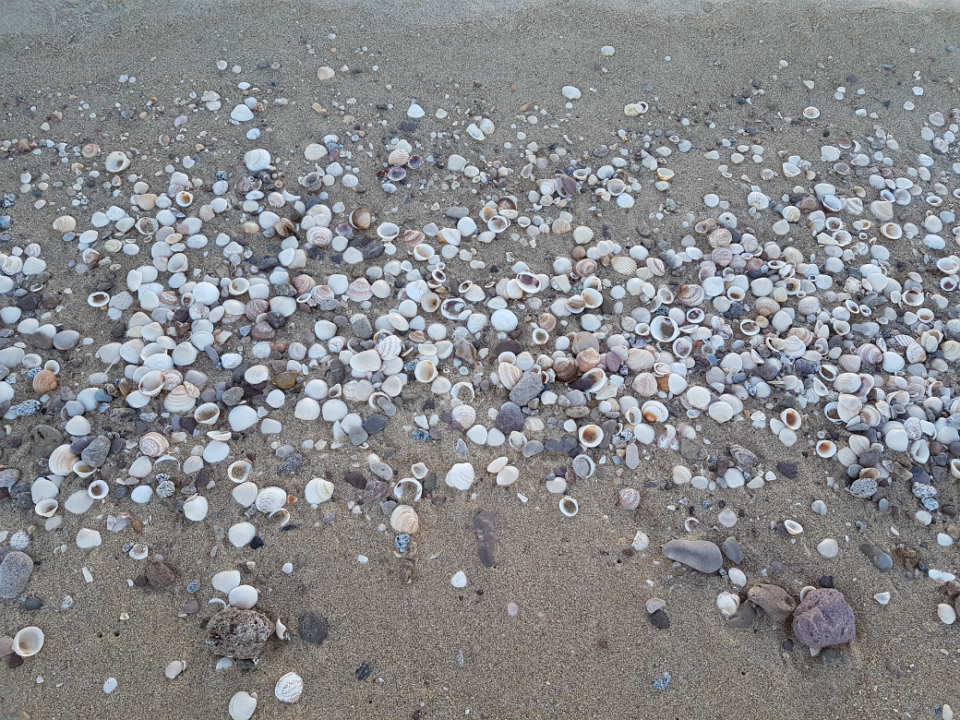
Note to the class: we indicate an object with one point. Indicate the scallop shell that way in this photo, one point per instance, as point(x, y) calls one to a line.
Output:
point(404, 519)
point(289, 688)
point(179, 400)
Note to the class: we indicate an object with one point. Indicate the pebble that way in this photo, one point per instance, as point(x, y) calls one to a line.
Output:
point(731, 548)
point(702, 555)
point(459, 579)
point(776, 602)
point(313, 627)
point(828, 548)
point(527, 388)
point(237, 633)
point(881, 560)
point(15, 571)
point(510, 418)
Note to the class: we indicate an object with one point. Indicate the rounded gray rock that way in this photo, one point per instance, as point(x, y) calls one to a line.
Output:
point(702, 555)
point(15, 571)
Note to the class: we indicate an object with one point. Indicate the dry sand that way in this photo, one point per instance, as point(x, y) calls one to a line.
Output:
point(581, 645)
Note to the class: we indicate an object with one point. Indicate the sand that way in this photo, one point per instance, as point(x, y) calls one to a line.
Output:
point(581, 645)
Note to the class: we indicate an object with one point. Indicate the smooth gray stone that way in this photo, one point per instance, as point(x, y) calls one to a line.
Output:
point(701, 555)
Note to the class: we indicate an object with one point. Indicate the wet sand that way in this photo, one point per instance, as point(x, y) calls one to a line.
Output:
point(581, 645)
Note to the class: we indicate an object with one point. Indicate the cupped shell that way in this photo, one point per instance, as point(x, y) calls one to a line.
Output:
point(404, 519)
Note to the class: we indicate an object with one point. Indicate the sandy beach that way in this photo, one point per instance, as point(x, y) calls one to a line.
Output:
point(581, 643)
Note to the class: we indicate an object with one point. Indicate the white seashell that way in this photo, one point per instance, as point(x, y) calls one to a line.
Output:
point(460, 476)
point(116, 161)
point(240, 534)
point(663, 329)
point(318, 491)
point(61, 461)
point(28, 641)
point(464, 415)
point(195, 508)
point(728, 604)
point(242, 417)
point(79, 502)
point(88, 539)
point(225, 581)
point(245, 494)
point(508, 476)
point(98, 490)
point(404, 519)
point(239, 470)
point(946, 613)
point(242, 705)
point(174, 669)
point(720, 411)
point(179, 400)
point(270, 499)
point(368, 361)
point(257, 159)
point(425, 371)
point(398, 489)
point(793, 527)
point(737, 577)
point(289, 688)
point(243, 597)
point(590, 435)
point(653, 411)
point(46, 508)
point(569, 506)
point(509, 374)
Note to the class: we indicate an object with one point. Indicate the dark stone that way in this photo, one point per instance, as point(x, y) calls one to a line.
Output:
point(313, 628)
point(881, 560)
point(238, 633)
point(527, 388)
point(352, 477)
point(95, 453)
point(375, 423)
point(731, 548)
point(160, 575)
point(788, 469)
point(659, 619)
point(824, 619)
point(509, 418)
point(291, 464)
point(31, 603)
point(484, 524)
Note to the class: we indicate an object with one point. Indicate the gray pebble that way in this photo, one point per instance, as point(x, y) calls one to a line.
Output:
point(238, 633)
point(375, 423)
point(731, 548)
point(632, 456)
point(66, 339)
point(95, 454)
point(562, 444)
point(880, 559)
point(864, 488)
point(702, 555)
point(532, 448)
point(509, 418)
point(9, 477)
point(527, 388)
point(15, 571)
point(313, 628)
point(361, 326)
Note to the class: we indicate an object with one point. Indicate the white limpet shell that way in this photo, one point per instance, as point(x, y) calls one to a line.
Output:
point(243, 597)
point(195, 508)
point(399, 489)
point(318, 491)
point(239, 470)
point(174, 668)
point(28, 641)
point(289, 688)
point(242, 705)
point(46, 508)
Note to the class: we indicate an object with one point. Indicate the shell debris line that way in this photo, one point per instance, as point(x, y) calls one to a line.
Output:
point(444, 313)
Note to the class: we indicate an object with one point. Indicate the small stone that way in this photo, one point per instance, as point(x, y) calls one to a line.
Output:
point(828, 548)
point(864, 488)
point(15, 571)
point(787, 469)
point(659, 619)
point(375, 423)
point(160, 575)
point(527, 388)
point(313, 628)
point(731, 548)
point(881, 560)
point(237, 633)
point(702, 555)
point(95, 454)
point(776, 602)
point(824, 619)
point(510, 418)
point(484, 525)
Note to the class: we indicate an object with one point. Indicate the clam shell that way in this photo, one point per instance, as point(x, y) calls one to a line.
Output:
point(195, 508)
point(404, 519)
point(289, 688)
point(61, 461)
point(270, 499)
point(242, 705)
point(318, 491)
point(28, 641)
point(460, 476)
point(590, 435)
point(569, 506)
point(153, 444)
point(728, 603)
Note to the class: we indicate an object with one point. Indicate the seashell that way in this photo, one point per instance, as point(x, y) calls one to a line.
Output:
point(509, 374)
point(624, 264)
point(270, 499)
point(98, 299)
point(289, 688)
point(398, 157)
point(61, 461)
point(629, 498)
point(239, 470)
point(318, 491)
point(460, 476)
point(728, 603)
point(46, 508)
point(569, 507)
point(98, 490)
point(654, 411)
point(590, 435)
point(153, 444)
point(245, 494)
point(826, 448)
point(28, 641)
point(195, 508)
point(116, 161)
point(585, 267)
point(583, 466)
point(464, 415)
point(507, 476)
point(791, 418)
point(404, 519)
point(663, 329)
point(207, 414)
point(387, 231)
point(44, 382)
point(361, 218)
point(793, 527)
point(425, 371)
point(242, 705)
point(398, 489)
point(179, 400)
point(243, 597)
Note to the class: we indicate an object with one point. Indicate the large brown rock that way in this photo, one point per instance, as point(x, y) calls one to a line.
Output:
point(238, 633)
point(776, 602)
